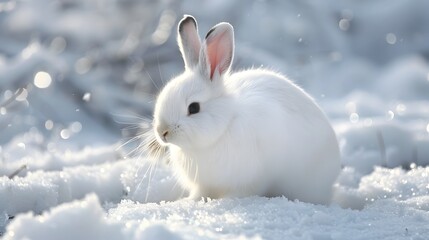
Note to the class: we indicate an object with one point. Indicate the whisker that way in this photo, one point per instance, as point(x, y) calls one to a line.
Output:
point(159, 70)
point(149, 174)
point(196, 172)
point(128, 141)
point(136, 126)
point(148, 149)
point(153, 82)
point(176, 185)
point(142, 178)
point(130, 116)
point(152, 171)
point(136, 150)
point(148, 94)
point(146, 162)
point(135, 122)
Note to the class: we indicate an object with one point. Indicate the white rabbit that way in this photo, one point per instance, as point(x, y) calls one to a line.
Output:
point(252, 132)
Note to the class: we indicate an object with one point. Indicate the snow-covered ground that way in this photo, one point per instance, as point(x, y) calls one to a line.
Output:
point(78, 79)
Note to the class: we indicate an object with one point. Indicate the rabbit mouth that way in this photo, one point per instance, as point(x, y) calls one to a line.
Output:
point(163, 138)
point(168, 135)
point(163, 135)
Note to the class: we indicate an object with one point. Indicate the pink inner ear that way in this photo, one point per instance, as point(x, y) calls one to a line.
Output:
point(219, 51)
point(211, 50)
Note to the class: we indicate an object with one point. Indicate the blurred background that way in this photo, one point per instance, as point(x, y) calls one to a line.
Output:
point(75, 73)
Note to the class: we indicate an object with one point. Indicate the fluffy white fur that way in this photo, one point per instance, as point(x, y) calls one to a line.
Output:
point(257, 133)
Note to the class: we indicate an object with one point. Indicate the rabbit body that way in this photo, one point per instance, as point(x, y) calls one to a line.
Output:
point(254, 132)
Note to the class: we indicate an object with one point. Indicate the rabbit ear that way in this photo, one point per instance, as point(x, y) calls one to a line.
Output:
point(189, 41)
point(219, 49)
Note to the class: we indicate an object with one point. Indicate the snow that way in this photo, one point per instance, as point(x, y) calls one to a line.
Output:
point(387, 203)
point(78, 79)
point(75, 220)
point(245, 218)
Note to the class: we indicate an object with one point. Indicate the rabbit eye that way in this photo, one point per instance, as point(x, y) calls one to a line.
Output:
point(193, 108)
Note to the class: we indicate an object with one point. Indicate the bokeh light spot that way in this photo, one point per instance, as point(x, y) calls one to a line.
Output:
point(401, 108)
point(21, 145)
point(391, 38)
point(22, 96)
point(163, 30)
point(83, 65)
point(354, 118)
point(390, 115)
point(86, 97)
point(58, 44)
point(42, 80)
point(8, 94)
point(344, 24)
point(76, 127)
point(65, 134)
point(49, 124)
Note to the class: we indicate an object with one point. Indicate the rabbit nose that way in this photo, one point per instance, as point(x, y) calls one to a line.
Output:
point(162, 130)
point(164, 135)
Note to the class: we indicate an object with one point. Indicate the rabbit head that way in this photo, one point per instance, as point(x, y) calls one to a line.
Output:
point(193, 111)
